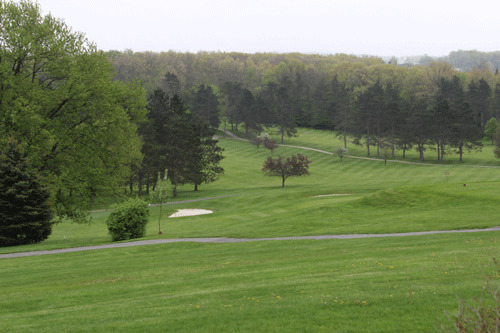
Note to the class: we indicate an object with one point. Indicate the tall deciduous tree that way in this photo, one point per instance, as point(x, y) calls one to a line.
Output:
point(58, 98)
point(293, 166)
point(25, 214)
point(490, 129)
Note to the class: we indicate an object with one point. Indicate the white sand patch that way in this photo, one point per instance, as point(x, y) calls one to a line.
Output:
point(190, 212)
point(331, 195)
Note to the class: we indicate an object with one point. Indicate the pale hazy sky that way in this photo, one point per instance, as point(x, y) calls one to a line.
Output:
point(376, 27)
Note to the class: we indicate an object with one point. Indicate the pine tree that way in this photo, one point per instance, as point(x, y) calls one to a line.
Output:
point(25, 215)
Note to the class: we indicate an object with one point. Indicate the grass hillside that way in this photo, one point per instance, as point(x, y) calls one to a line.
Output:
point(379, 284)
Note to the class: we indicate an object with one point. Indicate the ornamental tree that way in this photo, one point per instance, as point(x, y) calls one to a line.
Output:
point(25, 215)
point(293, 166)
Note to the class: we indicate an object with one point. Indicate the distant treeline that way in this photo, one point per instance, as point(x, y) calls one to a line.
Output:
point(469, 60)
point(432, 106)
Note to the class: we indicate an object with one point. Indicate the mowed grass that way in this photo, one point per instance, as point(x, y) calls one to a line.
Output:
point(397, 284)
point(329, 141)
point(379, 198)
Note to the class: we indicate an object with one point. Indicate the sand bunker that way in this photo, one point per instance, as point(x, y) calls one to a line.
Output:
point(331, 195)
point(190, 212)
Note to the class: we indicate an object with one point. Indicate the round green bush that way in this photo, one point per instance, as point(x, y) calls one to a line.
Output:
point(128, 220)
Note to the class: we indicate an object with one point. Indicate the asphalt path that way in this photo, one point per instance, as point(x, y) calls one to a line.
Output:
point(235, 240)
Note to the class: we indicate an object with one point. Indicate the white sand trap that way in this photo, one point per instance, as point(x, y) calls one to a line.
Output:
point(190, 212)
point(331, 195)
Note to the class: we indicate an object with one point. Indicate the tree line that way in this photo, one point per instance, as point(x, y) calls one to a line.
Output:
point(382, 106)
point(178, 145)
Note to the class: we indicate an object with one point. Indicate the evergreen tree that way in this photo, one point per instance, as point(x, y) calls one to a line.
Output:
point(205, 103)
point(25, 215)
point(204, 156)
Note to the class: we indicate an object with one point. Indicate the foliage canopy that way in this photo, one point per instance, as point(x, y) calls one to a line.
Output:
point(59, 100)
point(293, 166)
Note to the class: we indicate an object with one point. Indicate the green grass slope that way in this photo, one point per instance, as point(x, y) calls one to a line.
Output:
point(378, 285)
point(396, 197)
point(397, 284)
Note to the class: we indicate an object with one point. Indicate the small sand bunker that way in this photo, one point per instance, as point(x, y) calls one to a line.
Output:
point(331, 195)
point(190, 212)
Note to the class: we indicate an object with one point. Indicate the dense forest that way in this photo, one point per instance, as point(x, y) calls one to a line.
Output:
point(381, 105)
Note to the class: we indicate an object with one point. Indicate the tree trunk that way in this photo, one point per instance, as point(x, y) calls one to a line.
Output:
point(378, 139)
point(175, 191)
point(421, 151)
point(378, 146)
point(139, 183)
point(368, 143)
point(461, 149)
point(283, 183)
point(196, 187)
point(345, 128)
point(439, 152)
point(155, 180)
point(393, 142)
point(442, 150)
point(131, 184)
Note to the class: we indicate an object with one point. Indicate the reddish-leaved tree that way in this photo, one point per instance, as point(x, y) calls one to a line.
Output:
point(293, 166)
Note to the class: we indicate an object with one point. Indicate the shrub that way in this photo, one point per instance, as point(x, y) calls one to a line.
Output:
point(128, 220)
point(480, 315)
point(25, 213)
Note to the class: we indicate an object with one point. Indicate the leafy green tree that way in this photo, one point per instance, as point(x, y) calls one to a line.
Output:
point(341, 152)
point(293, 166)
point(25, 214)
point(58, 98)
point(490, 129)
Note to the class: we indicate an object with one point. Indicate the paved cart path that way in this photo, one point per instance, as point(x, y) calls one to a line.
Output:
point(234, 240)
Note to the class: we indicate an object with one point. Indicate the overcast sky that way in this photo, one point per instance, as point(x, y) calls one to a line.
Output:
point(375, 27)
